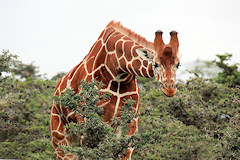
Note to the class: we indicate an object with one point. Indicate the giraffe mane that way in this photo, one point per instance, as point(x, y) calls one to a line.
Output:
point(130, 34)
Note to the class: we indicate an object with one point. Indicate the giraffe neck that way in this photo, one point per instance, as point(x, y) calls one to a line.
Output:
point(114, 58)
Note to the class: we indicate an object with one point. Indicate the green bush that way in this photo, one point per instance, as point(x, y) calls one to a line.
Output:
point(25, 106)
point(200, 122)
point(230, 74)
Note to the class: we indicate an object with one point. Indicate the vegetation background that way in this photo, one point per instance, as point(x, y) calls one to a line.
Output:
point(200, 122)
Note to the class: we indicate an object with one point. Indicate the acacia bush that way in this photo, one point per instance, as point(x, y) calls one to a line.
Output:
point(25, 106)
point(200, 122)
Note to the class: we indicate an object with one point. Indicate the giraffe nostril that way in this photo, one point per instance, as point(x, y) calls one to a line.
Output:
point(166, 85)
point(172, 85)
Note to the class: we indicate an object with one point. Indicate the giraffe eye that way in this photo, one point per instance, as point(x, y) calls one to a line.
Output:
point(178, 65)
point(145, 53)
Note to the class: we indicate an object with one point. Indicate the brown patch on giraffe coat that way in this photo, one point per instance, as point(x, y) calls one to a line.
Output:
point(55, 121)
point(150, 70)
point(144, 71)
point(123, 63)
point(100, 58)
point(90, 64)
point(127, 50)
point(109, 109)
point(129, 87)
point(112, 64)
point(114, 86)
point(112, 41)
point(108, 32)
point(136, 64)
point(79, 75)
point(145, 63)
point(119, 50)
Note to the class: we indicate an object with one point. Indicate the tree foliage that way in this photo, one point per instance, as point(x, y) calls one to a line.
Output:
point(230, 74)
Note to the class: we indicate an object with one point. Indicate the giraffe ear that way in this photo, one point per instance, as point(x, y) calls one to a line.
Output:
point(145, 54)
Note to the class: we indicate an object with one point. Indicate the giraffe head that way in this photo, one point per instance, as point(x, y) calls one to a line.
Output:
point(166, 61)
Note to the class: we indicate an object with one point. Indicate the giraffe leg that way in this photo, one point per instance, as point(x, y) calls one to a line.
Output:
point(133, 129)
point(59, 137)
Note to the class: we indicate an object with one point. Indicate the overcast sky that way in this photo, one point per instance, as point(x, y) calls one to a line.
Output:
point(57, 34)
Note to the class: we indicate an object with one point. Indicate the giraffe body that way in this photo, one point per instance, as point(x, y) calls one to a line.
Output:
point(116, 58)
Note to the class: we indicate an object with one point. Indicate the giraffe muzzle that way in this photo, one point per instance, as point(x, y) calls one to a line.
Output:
point(169, 88)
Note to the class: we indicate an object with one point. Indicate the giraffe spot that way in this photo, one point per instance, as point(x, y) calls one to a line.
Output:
point(54, 111)
point(127, 50)
point(112, 41)
point(114, 86)
point(123, 63)
point(150, 70)
point(55, 121)
point(145, 63)
point(119, 50)
point(144, 71)
point(107, 33)
point(100, 59)
point(112, 64)
point(136, 64)
point(129, 87)
point(90, 63)
point(79, 75)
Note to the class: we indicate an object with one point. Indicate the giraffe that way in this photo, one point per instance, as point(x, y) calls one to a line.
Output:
point(116, 58)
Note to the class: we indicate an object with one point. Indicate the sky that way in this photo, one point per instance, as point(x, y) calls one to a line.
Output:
point(57, 34)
